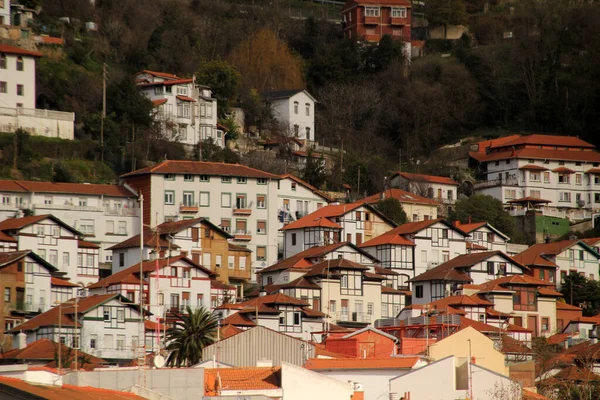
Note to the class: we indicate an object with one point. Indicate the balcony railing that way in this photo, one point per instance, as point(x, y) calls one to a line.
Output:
point(188, 208)
point(242, 211)
point(399, 20)
point(353, 317)
point(496, 182)
point(241, 234)
point(38, 113)
point(372, 20)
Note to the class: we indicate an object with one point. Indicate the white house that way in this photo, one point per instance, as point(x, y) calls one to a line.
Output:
point(355, 223)
point(57, 243)
point(5, 12)
point(439, 188)
point(484, 236)
point(105, 214)
point(445, 279)
point(563, 257)
point(453, 382)
point(18, 96)
point(170, 286)
point(417, 208)
point(108, 326)
point(296, 110)
point(240, 200)
point(560, 174)
point(184, 110)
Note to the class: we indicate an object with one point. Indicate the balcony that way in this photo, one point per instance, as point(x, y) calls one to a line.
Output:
point(372, 20)
point(496, 182)
point(121, 211)
point(188, 208)
point(353, 317)
point(242, 211)
point(241, 234)
point(398, 21)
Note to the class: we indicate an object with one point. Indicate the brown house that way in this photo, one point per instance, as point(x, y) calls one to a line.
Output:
point(370, 20)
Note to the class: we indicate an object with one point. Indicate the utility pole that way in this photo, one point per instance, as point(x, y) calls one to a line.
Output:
point(76, 333)
point(103, 112)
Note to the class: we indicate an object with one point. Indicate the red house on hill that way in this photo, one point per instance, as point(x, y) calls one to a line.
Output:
point(370, 20)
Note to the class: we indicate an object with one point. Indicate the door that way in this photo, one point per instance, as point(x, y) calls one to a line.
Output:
point(358, 307)
point(532, 324)
point(195, 235)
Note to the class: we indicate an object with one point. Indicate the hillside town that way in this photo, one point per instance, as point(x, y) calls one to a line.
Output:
point(260, 228)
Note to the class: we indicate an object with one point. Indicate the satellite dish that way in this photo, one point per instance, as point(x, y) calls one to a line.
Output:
point(159, 361)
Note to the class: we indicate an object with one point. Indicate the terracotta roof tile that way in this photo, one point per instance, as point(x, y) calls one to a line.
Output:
point(159, 102)
point(159, 74)
point(401, 195)
point(591, 241)
point(238, 319)
point(51, 392)
point(4, 48)
point(87, 245)
point(150, 240)
point(361, 363)
point(561, 305)
point(43, 349)
point(535, 255)
point(59, 187)
point(499, 283)
point(228, 331)
point(312, 222)
point(510, 345)
point(533, 167)
point(539, 154)
point(325, 267)
point(485, 328)
point(460, 300)
point(249, 378)
point(301, 260)
point(201, 168)
point(220, 285)
point(560, 338)
point(185, 98)
point(546, 140)
point(563, 170)
point(321, 217)
point(61, 282)
point(529, 199)
point(390, 237)
point(415, 227)
point(5, 237)
point(593, 171)
point(427, 178)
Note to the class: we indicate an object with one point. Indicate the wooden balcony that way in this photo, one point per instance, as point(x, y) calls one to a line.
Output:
point(398, 21)
point(372, 20)
point(242, 235)
point(192, 209)
point(242, 211)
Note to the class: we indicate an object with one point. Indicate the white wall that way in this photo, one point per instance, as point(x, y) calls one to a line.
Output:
point(38, 122)
point(299, 384)
point(12, 77)
point(428, 255)
point(375, 381)
point(283, 110)
point(5, 13)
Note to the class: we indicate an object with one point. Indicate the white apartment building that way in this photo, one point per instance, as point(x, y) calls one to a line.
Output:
point(475, 268)
point(295, 199)
point(438, 188)
point(104, 214)
point(296, 110)
point(18, 96)
point(559, 174)
point(240, 200)
point(185, 110)
point(5, 12)
point(57, 243)
point(354, 223)
point(108, 326)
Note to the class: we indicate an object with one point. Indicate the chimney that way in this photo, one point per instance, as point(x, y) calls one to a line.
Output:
point(469, 219)
point(184, 253)
point(455, 223)
point(262, 292)
point(547, 239)
point(22, 340)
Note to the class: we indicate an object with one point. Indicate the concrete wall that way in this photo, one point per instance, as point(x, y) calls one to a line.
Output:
point(375, 381)
point(37, 122)
point(177, 383)
point(301, 384)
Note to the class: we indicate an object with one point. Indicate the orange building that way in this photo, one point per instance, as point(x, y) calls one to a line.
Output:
point(370, 20)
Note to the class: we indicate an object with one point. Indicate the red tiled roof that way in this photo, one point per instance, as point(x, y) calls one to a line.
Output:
point(61, 282)
point(528, 199)
point(159, 102)
point(475, 246)
point(498, 284)
point(185, 98)
point(546, 140)
point(547, 291)
point(361, 363)
point(563, 170)
point(52, 392)
point(484, 145)
point(228, 331)
point(560, 305)
point(201, 168)
point(132, 274)
point(591, 241)
point(321, 216)
point(306, 222)
point(384, 271)
point(50, 40)
point(468, 228)
point(351, 3)
point(574, 373)
point(19, 223)
point(247, 378)
point(301, 260)
point(159, 74)
point(43, 349)
point(414, 227)
point(401, 195)
point(87, 245)
point(560, 337)
point(220, 285)
point(390, 237)
point(273, 299)
point(461, 300)
point(301, 283)
point(324, 268)
point(150, 239)
point(511, 345)
point(306, 185)
point(485, 328)
point(540, 154)
point(4, 48)
point(57, 187)
point(7, 258)
point(533, 167)
point(427, 178)
point(593, 171)
point(534, 254)
point(153, 326)
point(4, 237)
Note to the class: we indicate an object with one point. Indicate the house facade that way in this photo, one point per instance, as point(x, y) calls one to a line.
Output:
point(561, 172)
point(417, 208)
point(18, 97)
point(58, 244)
point(104, 214)
point(5, 13)
point(185, 111)
point(368, 21)
point(483, 236)
point(439, 188)
point(239, 199)
point(355, 223)
point(108, 326)
point(295, 109)
point(203, 242)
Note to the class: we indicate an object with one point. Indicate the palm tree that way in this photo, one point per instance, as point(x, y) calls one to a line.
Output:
point(191, 334)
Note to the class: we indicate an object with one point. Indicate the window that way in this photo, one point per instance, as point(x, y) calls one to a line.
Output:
point(293, 239)
point(261, 201)
point(490, 268)
point(121, 259)
point(106, 313)
point(542, 275)
point(296, 130)
point(524, 298)
point(20, 90)
point(240, 201)
point(564, 197)
point(120, 342)
point(295, 107)
point(563, 178)
point(510, 193)
point(502, 269)
point(307, 132)
point(578, 179)
point(372, 11)
point(231, 262)
point(66, 259)
point(7, 295)
point(226, 200)
point(534, 176)
point(2, 61)
point(169, 177)
point(20, 63)
point(158, 90)
point(3, 87)
point(241, 179)
point(86, 226)
point(261, 253)
point(93, 341)
point(188, 199)
point(261, 181)
point(419, 291)
point(261, 227)
point(545, 324)
point(204, 199)
point(226, 225)
point(53, 257)
point(122, 227)
point(536, 193)
point(225, 179)
point(370, 307)
point(307, 109)
point(174, 271)
point(188, 178)
point(398, 12)
point(110, 226)
point(120, 315)
point(546, 177)
point(563, 276)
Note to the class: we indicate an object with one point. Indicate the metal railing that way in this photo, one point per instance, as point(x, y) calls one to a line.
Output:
point(353, 317)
